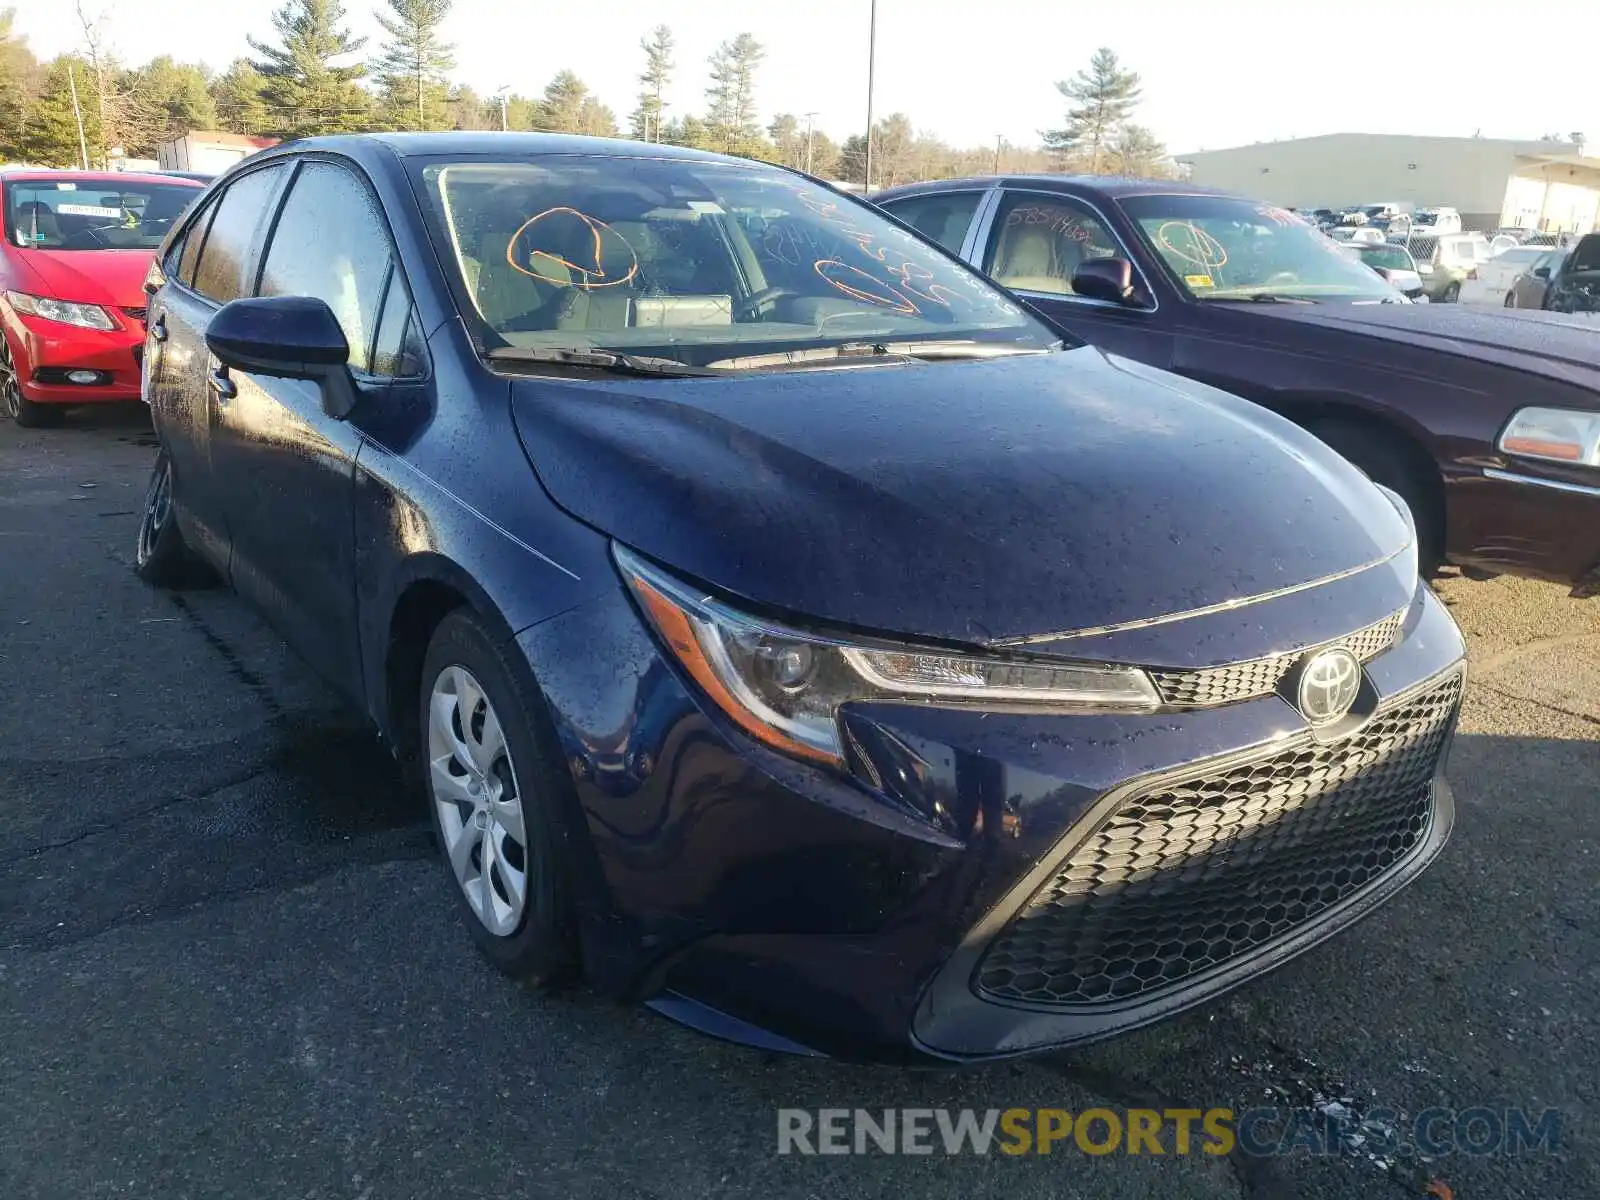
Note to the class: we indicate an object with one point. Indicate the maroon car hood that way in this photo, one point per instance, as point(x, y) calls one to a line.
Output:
point(1550, 344)
point(109, 277)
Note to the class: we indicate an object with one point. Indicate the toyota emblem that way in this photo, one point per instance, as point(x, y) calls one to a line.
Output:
point(1328, 685)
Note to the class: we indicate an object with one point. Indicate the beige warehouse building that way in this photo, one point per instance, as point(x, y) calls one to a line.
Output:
point(1490, 181)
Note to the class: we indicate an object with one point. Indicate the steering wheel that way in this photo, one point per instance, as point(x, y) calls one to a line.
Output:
point(757, 302)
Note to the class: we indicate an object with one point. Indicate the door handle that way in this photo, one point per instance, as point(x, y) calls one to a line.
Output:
point(158, 329)
point(219, 383)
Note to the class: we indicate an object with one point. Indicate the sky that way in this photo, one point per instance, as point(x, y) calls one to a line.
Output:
point(1215, 73)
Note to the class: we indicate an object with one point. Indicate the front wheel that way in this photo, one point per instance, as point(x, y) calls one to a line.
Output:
point(1511, 299)
point(17, 406)
point(494, 790)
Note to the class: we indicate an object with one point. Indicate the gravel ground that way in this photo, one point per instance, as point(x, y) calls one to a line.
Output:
point(228, 968)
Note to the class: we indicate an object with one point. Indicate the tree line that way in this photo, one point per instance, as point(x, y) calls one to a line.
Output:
point(310, 75)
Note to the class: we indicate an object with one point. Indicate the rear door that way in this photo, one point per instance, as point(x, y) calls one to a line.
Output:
point(1033, 243)
point(292, 517)
point(204, 270)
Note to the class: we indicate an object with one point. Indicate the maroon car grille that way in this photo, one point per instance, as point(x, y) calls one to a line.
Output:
point(1185, 877)
point(1261, 676)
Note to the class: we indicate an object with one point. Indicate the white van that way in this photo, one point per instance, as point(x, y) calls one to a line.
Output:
point(1435, 222)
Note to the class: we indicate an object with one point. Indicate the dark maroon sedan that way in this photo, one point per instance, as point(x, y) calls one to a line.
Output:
point(1487, 423)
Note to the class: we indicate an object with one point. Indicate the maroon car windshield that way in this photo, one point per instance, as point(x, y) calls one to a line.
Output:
point(92, 214)
point(1228, 248)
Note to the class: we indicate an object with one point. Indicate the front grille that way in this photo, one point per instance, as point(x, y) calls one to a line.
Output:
point(138, 314)
point(1187, 876)
point(1261, 676)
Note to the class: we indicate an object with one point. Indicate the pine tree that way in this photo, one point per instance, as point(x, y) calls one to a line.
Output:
point(19, 79)
point(308, 92)
point(569, 107)
point(1104, 97)
point(173, 98)
point(414, 63)
point(731, 98)
point(658, 64)
point(236, 95)
point(1135, 151)
point(50, 136)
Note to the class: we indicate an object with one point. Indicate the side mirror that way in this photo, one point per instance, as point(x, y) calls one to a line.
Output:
point(1541, 272)
point(1104, 279)
point(291, 337)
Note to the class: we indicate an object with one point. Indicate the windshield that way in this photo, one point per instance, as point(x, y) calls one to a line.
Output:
point(1520, 254)
point(698, 262)
point(1223, 248)
point(92, 214)
point(1392, 258)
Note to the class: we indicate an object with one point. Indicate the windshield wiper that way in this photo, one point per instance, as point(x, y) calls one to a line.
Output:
point(902, 352)
point(612, 362)
point(1261, 298)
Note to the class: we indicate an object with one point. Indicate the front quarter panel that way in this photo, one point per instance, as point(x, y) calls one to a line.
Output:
point(444, 493)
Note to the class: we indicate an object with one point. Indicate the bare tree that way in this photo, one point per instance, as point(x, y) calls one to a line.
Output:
point(124, 119)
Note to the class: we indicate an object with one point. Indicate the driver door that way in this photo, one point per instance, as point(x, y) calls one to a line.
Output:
point(1034, 243)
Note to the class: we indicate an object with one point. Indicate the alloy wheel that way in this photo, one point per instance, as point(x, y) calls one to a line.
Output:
point(10, 393)
point(157, 510)
point(473, 785)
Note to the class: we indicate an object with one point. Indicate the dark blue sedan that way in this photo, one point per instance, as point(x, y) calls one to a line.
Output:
point(783, 626)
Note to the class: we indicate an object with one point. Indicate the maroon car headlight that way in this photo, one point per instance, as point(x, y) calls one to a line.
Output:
point(784, 686)
point(1558, 434)
point(85, 316)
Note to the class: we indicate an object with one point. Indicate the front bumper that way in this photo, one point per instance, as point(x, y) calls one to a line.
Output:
point(865, 917)
point(1521, 518)
point(45, 350)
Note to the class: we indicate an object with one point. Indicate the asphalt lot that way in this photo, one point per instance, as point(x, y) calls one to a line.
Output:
point(228, 967)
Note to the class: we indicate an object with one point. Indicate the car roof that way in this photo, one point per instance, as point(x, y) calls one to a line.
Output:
point(1113, 186)
point(17, 174)
point(488, 142)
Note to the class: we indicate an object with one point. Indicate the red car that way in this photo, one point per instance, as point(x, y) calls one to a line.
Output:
point(76, 248)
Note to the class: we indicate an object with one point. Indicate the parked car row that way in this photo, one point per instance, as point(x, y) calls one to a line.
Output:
point(952, 636)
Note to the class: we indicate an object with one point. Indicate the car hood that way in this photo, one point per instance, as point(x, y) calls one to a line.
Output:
point(971, 501)
point(1549, 344)
point(113, 277)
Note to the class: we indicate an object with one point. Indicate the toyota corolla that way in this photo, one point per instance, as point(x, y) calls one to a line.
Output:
point(782, 626)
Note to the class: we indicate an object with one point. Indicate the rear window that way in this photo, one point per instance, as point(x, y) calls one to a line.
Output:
point(90, 214)
point(1391, 258)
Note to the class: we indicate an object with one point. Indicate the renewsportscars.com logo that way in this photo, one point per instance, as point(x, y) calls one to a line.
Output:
point(1263, 1132)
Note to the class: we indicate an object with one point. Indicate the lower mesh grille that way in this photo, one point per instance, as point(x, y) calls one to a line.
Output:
point(1187, 876)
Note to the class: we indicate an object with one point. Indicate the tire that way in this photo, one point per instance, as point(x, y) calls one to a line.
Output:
point(161, 556)
point(483, 790)
point(1452, 293)
point(17, 406)
point(1382, 461)
point(1511, 298)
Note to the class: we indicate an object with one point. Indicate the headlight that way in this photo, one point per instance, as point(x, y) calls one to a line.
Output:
point(85, 316)
point(1557, 434)
point(784, 686)
point(1412, 560)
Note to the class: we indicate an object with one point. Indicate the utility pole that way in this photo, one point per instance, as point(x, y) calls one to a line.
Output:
point(811, 119)
point(872, 62)
point(77, 113)
point(505, 104)
point(999, 141)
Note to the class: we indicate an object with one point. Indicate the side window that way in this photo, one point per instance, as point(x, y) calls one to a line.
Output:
point(398, 349)
point(186, 252)
point(1038, 241)
point(942, 217)
point(234, 232)
point(330, 243)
